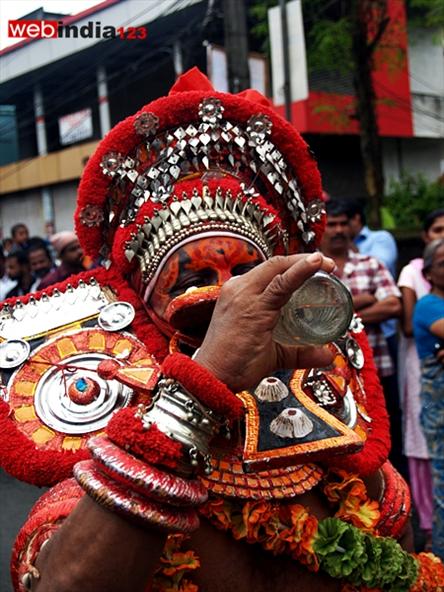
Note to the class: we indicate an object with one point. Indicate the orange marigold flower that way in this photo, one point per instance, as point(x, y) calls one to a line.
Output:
point(180, 561)
point(431, 574)
point(256, 514)
point(220, 510)
point(349, 486)
point(364, 515)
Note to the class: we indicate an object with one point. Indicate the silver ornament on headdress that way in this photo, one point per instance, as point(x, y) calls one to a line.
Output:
point(315, 210)
point(146, 124)
point(212, 145)
point(112, 163)
point(91, 215)
point(258, 129)
point(211, 110)
point(182, 219)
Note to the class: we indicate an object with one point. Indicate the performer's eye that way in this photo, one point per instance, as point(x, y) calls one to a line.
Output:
point(202, 278)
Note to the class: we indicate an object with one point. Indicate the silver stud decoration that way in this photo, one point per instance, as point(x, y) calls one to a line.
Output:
point(307, 237)
point(258, 129)
point(52, 310)
point(315, 210)
point(210, 111)
point(354, 353)
point(198, 148)
point(91, 215)
point(208, 145)
point(13, 353)
point(320, 388)
point(27, 581)
point(146, 124)
point(356, 325)
point(221, 211)
point(112, 163)
point(116, 316)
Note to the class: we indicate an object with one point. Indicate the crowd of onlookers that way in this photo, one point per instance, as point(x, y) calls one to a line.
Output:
point(28, 264)
point(404, 319)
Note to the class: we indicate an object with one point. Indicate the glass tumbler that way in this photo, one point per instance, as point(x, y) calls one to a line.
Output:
point(318, 312)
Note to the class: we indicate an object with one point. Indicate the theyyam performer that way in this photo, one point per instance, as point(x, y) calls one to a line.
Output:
point(188, 448)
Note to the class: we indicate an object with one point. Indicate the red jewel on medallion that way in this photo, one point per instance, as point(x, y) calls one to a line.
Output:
point(83, 391)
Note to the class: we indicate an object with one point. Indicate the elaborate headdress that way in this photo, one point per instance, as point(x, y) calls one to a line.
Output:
point(193, 162)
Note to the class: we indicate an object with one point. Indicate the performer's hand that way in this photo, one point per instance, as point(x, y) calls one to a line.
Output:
point(238, 347)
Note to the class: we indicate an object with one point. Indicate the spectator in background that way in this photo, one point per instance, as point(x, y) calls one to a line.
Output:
point(20, 237)
point(414, 286)
point(19, 270)
point(379, 244)
point(6, 283)
point(428, 329)
point(40, 260)
point(7, 245)
point(70, 253)
point(376, 298)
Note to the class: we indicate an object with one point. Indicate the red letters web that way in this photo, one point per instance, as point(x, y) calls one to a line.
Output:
point(32, 29)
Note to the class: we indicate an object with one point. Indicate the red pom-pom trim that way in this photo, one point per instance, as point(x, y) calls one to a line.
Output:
point(203, 385)
point(150, 444)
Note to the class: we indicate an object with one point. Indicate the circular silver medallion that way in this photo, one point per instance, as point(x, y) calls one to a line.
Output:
point(116, 316)
point(58, 408)
point(13, 353)
point(354, 353)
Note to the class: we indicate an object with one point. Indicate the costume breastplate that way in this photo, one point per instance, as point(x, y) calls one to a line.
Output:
point(293, 419)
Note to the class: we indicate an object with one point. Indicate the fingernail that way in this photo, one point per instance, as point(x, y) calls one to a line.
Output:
point(314, 258)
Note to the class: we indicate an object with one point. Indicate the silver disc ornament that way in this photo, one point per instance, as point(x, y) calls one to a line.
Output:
point(57, 397)
point(116, 316)
point(13, 352)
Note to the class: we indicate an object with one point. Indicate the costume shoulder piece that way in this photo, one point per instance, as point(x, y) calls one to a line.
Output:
point(53, 395)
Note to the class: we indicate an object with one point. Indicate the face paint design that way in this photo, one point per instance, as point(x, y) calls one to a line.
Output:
point(203, 262)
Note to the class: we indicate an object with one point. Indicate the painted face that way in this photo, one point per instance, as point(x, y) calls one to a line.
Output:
point(203, 262)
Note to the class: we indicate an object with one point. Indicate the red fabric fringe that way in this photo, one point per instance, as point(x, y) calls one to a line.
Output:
point(203, 385)
point(377, 446)
point(151, 445)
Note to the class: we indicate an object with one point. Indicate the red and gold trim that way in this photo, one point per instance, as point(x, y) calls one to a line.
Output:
point(229, 479)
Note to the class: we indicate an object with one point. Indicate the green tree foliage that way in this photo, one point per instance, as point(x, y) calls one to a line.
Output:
point(411, 198)
point(426, 13)
point(350, 38)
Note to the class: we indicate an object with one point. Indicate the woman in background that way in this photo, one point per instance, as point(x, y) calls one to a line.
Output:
point(414, 286)
point(428, 328)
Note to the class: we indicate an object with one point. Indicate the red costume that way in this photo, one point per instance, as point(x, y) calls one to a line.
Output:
point(82, 360)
